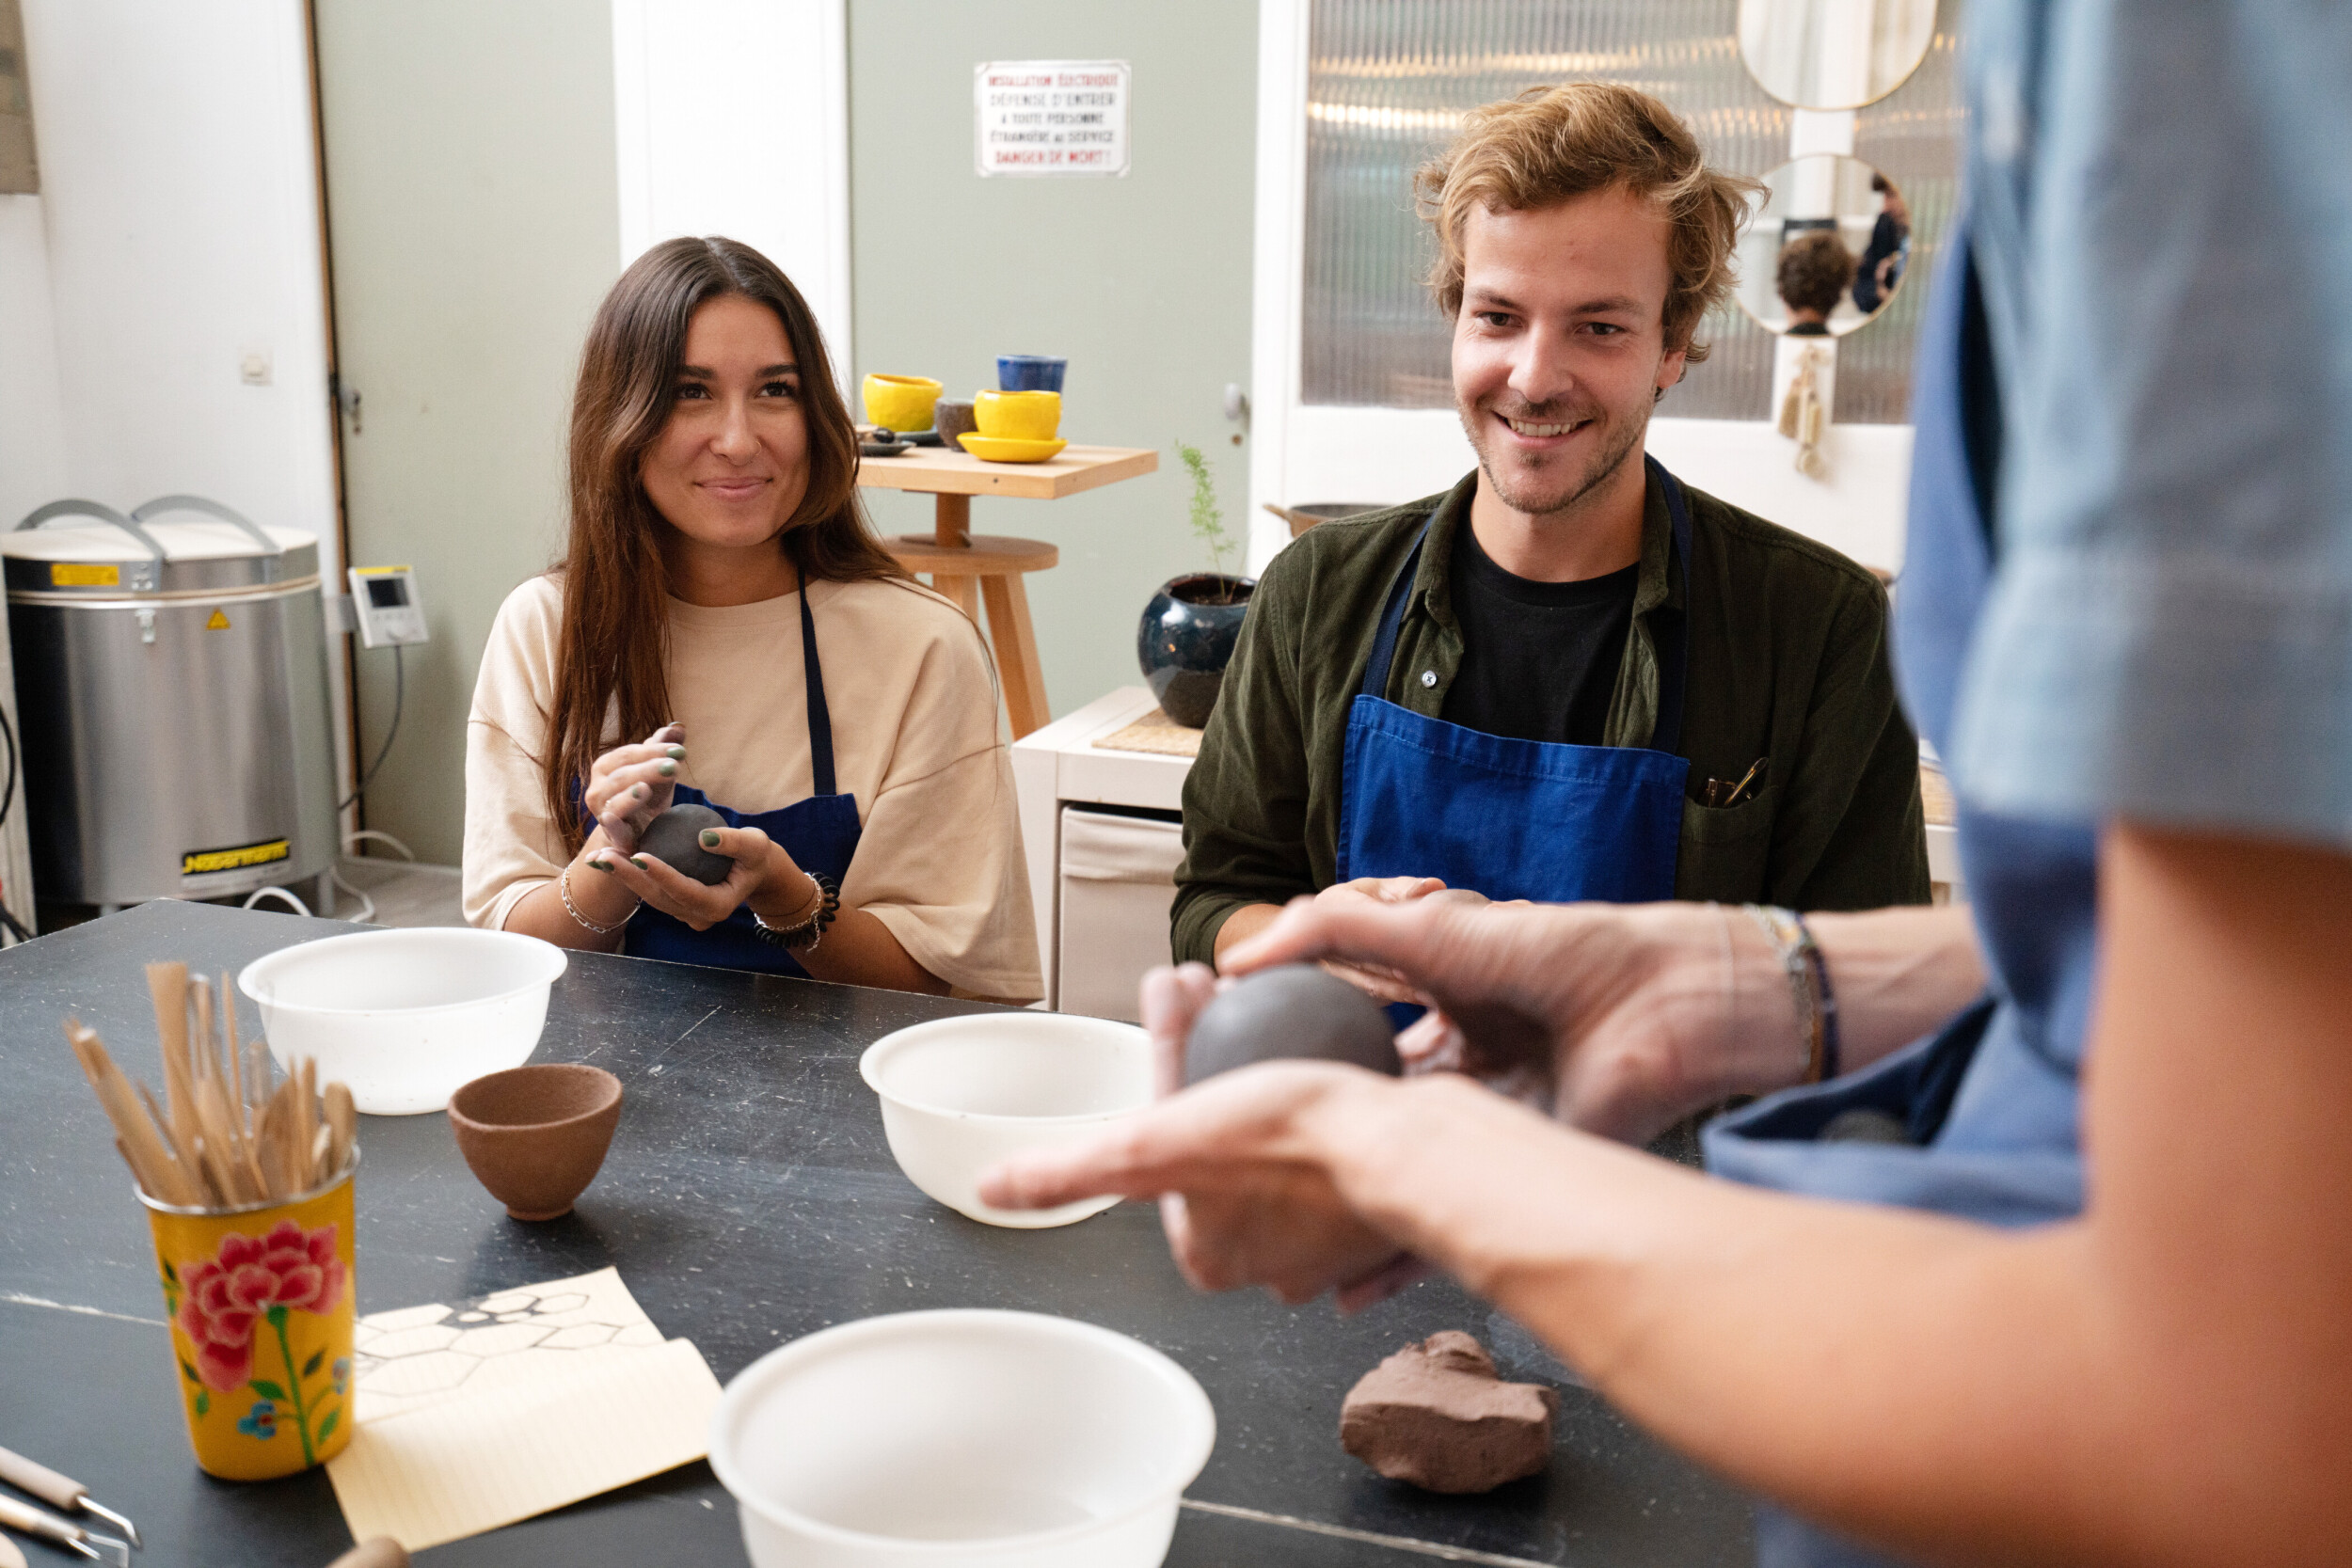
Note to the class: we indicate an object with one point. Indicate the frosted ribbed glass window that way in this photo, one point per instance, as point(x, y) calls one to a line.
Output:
point(1388, 82)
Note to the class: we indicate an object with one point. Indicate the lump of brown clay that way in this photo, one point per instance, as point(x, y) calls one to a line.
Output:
point(1436, 1415)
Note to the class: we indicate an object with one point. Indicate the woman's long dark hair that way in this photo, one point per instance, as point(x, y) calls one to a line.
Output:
point(612, 651)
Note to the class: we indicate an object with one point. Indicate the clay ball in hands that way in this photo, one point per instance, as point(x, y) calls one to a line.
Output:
point(1296, 1011)
point(675, 839)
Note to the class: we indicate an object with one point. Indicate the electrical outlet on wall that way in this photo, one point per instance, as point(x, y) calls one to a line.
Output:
point(254, 368)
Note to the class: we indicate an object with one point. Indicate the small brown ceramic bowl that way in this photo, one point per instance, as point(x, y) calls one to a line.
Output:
point(536, 1136)
point(952, 418)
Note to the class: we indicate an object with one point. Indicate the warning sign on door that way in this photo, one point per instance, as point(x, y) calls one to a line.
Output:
point(1051, 117)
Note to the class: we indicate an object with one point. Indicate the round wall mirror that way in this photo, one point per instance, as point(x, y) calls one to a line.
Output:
point(1833, 53)
point(1827, 249)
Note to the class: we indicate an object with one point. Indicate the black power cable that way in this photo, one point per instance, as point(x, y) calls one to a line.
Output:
point(8, 799)
point(400, 693)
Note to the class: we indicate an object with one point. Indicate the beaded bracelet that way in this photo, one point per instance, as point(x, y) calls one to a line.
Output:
point(1809, 990)
point(804, 934)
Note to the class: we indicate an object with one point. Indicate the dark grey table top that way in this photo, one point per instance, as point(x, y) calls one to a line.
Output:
point(749, 1198)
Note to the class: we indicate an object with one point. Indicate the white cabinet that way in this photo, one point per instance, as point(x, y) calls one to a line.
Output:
point(1101, 880)
point(1118, 880)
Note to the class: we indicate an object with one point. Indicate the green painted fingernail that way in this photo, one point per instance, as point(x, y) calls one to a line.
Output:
point(602, 865)
point(639, 861)
point(668, 769)
point(677, 753)
point(711, 838)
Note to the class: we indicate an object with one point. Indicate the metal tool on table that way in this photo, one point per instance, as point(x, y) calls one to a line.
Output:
point(28, 1520)
point(61, 1491)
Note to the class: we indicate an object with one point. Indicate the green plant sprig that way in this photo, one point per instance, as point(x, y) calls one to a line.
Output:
point(1208, 518)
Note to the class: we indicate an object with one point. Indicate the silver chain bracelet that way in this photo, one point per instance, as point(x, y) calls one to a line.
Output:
point(564, 890)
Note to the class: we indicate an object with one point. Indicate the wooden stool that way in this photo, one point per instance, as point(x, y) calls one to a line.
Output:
point(987, 567)
point(972, 571)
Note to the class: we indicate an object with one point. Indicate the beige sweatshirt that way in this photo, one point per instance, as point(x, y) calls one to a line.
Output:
point(913, 699)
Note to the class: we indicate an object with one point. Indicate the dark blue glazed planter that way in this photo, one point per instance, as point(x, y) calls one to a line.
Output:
point(1188, 638)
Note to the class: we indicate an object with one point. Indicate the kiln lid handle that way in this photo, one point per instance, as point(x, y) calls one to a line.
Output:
point(41, 515)
point(210, 509)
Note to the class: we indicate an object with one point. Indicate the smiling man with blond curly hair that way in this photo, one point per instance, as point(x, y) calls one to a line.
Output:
point(1570, 676)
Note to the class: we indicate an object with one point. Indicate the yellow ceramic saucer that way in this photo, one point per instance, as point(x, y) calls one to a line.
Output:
point(1005, 449)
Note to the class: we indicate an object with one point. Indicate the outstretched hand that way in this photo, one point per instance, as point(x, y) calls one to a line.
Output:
point(1245, 1193)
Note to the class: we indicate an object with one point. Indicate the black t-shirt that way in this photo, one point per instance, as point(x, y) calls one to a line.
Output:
point(1539, 660)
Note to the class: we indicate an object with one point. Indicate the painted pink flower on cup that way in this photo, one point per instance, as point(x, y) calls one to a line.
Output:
point(229, 1293)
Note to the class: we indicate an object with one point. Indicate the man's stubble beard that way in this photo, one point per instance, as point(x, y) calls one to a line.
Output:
point(1536, 503)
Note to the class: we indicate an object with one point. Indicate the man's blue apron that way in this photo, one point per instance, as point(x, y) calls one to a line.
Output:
point(1515, 818)
point(1990, 1101)
point(820, 833)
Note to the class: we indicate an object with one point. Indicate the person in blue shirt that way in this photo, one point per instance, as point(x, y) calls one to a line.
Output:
point(2053, 1264)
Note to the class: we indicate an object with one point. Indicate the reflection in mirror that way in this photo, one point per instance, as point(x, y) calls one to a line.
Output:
point(1833, 53)
point(1827, 250)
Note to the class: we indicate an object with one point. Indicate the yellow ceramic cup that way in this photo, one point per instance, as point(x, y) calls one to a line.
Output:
point(1018, 415)
point(260, 1304)
point(901, 403)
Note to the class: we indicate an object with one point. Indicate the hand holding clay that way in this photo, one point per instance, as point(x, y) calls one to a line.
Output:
point(1436, 1415)
point(759, 873)
point(1386, 985)
point(1295, 1011)
point(629, 785)
point(675, 839)
point(1613, 1018)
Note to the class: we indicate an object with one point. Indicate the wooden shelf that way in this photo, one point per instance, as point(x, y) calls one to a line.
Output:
point(935, 470)
point(986, 555)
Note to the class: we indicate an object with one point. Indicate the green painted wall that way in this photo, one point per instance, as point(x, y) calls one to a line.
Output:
point(469, 163)
point(1142, 282)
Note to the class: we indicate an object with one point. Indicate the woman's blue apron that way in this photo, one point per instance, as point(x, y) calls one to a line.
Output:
point(1990, 1101)
point(820, 833)
point(1515, 818)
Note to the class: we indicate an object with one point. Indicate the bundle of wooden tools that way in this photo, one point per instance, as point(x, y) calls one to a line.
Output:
point(226, 1136)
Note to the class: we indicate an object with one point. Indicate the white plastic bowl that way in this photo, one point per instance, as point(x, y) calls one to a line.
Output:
point(971, 1438)
point(959, 1095)
point(405, 1018)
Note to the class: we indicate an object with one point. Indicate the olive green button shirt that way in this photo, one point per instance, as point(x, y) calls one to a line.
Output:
point(1787, 659)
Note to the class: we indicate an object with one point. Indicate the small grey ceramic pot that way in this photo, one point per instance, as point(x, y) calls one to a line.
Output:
point(1187, 638)
point(952, 418)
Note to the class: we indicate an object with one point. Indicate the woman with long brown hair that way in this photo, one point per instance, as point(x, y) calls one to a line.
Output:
point(717, 549)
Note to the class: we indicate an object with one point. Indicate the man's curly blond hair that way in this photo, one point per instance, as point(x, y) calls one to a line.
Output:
point(1549, 144)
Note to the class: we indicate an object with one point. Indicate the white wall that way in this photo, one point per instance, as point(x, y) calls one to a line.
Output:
point(32, 427)
point(731, 116)
point(32, 455)
point(178, 232)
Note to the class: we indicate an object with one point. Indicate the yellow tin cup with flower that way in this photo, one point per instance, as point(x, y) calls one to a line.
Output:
point(260, 1303)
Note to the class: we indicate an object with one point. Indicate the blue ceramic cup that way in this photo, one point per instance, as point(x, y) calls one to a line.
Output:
point(1029, 373)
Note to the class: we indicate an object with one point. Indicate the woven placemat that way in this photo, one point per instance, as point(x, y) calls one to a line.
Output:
point(1154, 732)
point(1935, 796)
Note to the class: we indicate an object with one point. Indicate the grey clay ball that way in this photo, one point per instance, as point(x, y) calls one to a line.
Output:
point(1297, 1011)
point(675, 839)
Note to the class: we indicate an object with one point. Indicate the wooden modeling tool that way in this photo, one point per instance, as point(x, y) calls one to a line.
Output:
point(225, 1135)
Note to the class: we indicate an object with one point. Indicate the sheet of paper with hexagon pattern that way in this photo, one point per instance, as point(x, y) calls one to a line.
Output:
point(413, 1356)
